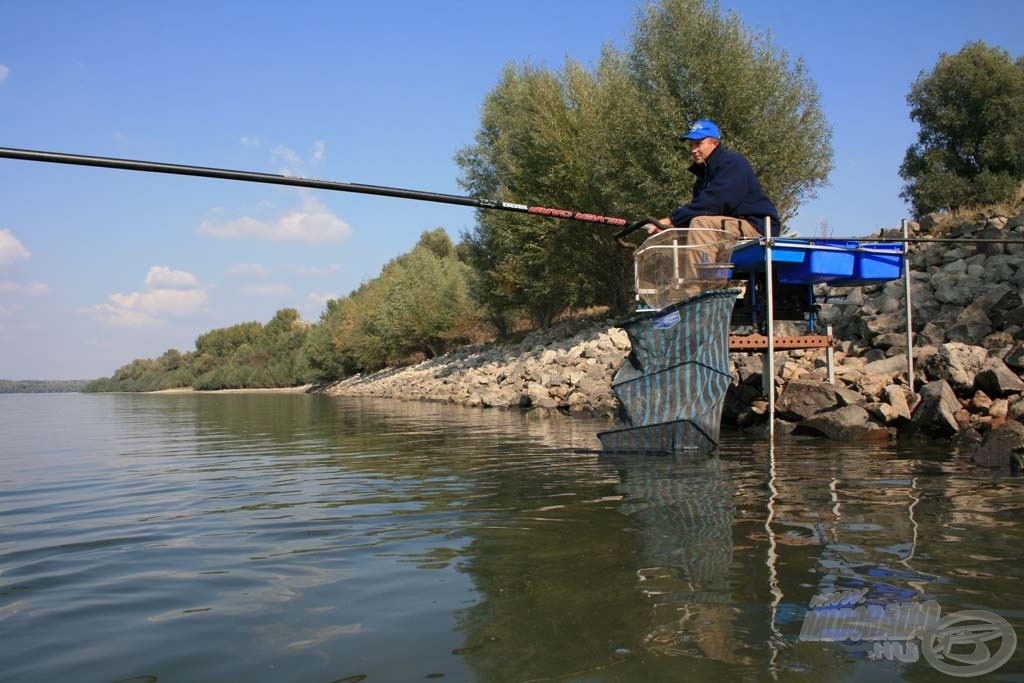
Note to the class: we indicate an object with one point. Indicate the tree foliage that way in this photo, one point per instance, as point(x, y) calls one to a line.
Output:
point(420, 306)
point(970, 146)
point(606, 141)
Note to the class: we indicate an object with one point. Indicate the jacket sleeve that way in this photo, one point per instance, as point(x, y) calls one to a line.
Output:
point(722, 195)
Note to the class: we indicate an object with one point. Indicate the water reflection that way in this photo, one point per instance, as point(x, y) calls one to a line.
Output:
point(310, 538)
point(683, 510)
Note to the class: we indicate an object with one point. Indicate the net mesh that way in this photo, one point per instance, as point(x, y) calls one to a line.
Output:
point(672, 386)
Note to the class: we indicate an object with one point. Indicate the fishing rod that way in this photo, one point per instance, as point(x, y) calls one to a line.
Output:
point(382, 191)
point(274, 179)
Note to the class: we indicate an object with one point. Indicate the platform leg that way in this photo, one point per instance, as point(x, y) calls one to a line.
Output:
point(830, 357)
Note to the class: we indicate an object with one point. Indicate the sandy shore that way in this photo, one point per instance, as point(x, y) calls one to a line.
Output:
point(304, 389)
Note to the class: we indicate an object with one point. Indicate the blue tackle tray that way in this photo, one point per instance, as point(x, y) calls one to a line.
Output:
point(833, 260)
point(883, 263)
point(749, 258)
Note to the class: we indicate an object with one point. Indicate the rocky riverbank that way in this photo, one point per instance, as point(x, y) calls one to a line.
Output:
point(968, 342)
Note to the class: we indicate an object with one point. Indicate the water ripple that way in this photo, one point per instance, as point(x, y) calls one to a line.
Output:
point(306, 538)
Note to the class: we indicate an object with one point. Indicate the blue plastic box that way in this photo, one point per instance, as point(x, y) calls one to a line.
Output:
point(883, 263)
point(749, 258)
point(834, 260)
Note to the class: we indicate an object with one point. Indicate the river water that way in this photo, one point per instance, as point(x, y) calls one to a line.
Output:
point(284, 537)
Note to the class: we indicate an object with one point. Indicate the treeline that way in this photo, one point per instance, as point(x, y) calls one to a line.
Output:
point(248, 355)
point(41, 386)
point(420, 306)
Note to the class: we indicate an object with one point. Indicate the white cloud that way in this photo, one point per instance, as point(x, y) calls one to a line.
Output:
point(315, 304)
point(287, 156)
point(8, 311)
point(292, 163)
point(162, 277)
point(315, 271)
point(250, 141)
point(11, 249)
point(4, 72)
point(276, 289)
point(312, 223)
point(252, 270)
point(29, 288)
point(171, 294)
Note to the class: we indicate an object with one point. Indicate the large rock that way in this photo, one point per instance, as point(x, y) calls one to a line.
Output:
point(896, 398)
point(1016, 410)
point(1002, 447)
point(750, 368)
point(849, 423)
point(997, 380)
point(1015, 359)
point(936, 413)
point(957, 364)
point(887, 368)
point(802, 399)
point(991, 232)
point(953, 287)
point(931, 335)
point(970, 326)
point(539, 396)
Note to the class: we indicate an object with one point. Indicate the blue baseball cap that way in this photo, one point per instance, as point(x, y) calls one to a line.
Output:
point(701, 129)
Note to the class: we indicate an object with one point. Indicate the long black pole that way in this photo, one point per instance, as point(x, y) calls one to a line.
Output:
point(475, 202)
point(273, 179)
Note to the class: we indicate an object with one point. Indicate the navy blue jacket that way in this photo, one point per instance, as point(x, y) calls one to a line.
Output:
point(726, 186)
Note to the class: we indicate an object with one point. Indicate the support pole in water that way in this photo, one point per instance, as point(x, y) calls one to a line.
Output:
point(770, 294)
point(906, 297)
point(830, 356)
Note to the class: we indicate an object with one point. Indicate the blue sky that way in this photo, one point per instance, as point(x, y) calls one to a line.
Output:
point(98, 267)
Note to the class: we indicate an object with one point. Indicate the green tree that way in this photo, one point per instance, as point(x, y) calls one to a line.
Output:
point(222, 342)
point(427, 299)
point(606, 141)
point(970, 146)
point(325, 350)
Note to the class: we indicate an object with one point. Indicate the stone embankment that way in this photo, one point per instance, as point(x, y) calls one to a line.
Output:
point(968, 346)
point(568, 368)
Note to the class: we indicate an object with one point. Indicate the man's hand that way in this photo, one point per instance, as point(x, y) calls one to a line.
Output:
point(652, 228)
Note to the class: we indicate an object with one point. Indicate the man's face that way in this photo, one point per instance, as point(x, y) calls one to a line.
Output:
point(700, 149)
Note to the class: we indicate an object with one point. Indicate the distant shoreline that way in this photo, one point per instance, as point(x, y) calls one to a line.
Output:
point(303, 389)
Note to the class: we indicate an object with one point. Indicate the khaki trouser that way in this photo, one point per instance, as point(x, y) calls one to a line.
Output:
point(739, 227)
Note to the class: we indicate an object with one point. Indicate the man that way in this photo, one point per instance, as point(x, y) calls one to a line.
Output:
point(726, 193)
point(727, 198)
